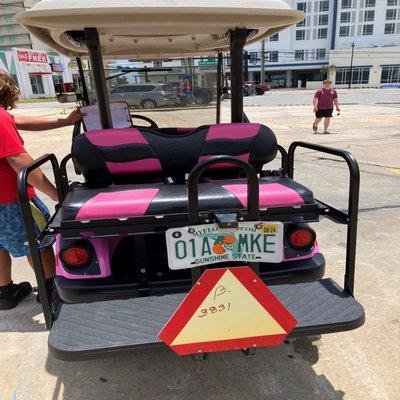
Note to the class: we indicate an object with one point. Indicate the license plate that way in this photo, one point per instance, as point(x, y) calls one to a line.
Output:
point(195, 246)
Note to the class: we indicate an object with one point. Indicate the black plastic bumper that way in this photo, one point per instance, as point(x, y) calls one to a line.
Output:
point(120, 327)
point(86, 291)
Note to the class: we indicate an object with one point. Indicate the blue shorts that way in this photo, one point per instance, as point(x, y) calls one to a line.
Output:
point(13, 237)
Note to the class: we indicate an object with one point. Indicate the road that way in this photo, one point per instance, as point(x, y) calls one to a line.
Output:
point(361, 364)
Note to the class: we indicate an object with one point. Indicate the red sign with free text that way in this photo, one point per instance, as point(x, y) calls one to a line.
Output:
point(33, 56)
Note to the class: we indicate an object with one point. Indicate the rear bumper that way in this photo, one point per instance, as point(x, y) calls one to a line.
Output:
point(91, 290)
point(120, 327)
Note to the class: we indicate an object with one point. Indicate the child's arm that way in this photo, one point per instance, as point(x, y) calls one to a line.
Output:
point(36, 178)
point(336, 101)
point(315, 102)
point(27, 123)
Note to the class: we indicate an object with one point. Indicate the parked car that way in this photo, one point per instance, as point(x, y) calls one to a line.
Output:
point(249, 88)
point(200, 95)
point(277, 84)
point(261, 88)
point(256, 88)
point(145, 95)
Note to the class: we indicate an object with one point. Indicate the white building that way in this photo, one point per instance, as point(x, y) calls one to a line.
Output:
point(372, 67)
point(34, 66)
point(296, 55)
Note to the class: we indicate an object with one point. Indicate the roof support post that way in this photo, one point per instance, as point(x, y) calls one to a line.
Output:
point(238, 40)
point(92, 42)
point(219, 85)
point(85, 92)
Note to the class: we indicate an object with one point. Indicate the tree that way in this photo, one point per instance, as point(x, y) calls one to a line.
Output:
point(328, 70)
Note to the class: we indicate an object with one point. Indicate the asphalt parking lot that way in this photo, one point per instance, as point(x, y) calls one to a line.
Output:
point(361, 364)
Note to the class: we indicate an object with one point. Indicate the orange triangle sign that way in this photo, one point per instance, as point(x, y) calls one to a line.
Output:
point(227, 309)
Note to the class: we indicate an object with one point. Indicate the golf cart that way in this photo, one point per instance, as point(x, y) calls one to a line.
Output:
point(173, 234)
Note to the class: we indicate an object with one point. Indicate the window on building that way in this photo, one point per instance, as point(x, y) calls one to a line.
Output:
point(368, 30)
point(392, 2)
point(322, 33)
point(323, 5)
point(273, 56)
point(391, 74)
point(301, 23)
point(345, 17)
point(370, 3)
point(37, 84)
point(299, 55)
point(346, 4)
point(391, 13)
point(323, 19)
point(300, 34)
point(321, 54)
point(274, 38)
point(360, 75)
point(369, 15)
point(253, 57)
point(344, 31)
point(302, 6)
point(390, 28)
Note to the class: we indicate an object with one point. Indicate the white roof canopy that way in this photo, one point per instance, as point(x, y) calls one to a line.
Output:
point(155, 29)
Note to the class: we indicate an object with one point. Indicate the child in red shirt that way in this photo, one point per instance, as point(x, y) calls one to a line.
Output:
point(13, 157)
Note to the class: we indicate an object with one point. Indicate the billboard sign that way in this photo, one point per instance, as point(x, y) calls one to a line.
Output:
point(27, 56)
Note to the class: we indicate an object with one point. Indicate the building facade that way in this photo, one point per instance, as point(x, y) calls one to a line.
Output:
point(325, 37)
point(35, 67)
point(11, 33)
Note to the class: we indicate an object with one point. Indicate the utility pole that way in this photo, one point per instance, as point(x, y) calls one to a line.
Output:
point(262, 75)
point(351, 64)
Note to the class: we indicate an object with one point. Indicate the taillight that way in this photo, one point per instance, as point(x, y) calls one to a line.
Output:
point(302, 238)
point(76, 256)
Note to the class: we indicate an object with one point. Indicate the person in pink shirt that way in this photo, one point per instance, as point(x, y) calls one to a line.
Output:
point(324, 101)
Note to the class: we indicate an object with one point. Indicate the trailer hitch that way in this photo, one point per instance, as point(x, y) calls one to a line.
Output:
point(226, 220)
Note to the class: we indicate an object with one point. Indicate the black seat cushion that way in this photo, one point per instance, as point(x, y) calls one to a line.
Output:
point(121, 201)
point(133, 155)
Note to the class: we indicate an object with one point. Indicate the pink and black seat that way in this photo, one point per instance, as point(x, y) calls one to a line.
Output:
point(126, 171)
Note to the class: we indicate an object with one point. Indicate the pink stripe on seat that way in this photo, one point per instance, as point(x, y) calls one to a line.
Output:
point(116, 137)
point(184, 130)
point(146, 165)
point(271, 195)
point(232, 131)
point(127, 203)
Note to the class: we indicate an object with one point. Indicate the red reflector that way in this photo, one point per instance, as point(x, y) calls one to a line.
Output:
point(302, 238)
point(75, 256)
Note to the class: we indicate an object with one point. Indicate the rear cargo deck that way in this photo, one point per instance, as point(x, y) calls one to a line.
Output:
point(112, 328)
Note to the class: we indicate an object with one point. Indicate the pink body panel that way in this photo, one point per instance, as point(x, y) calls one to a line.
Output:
point(116, 137)
point(103, 248)
point(314, 251)
point(128, 203)
point(271, 195)
point(232, 131)
point(138, 166)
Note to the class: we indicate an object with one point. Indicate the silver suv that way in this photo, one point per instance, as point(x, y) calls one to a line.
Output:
point(145, 95)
